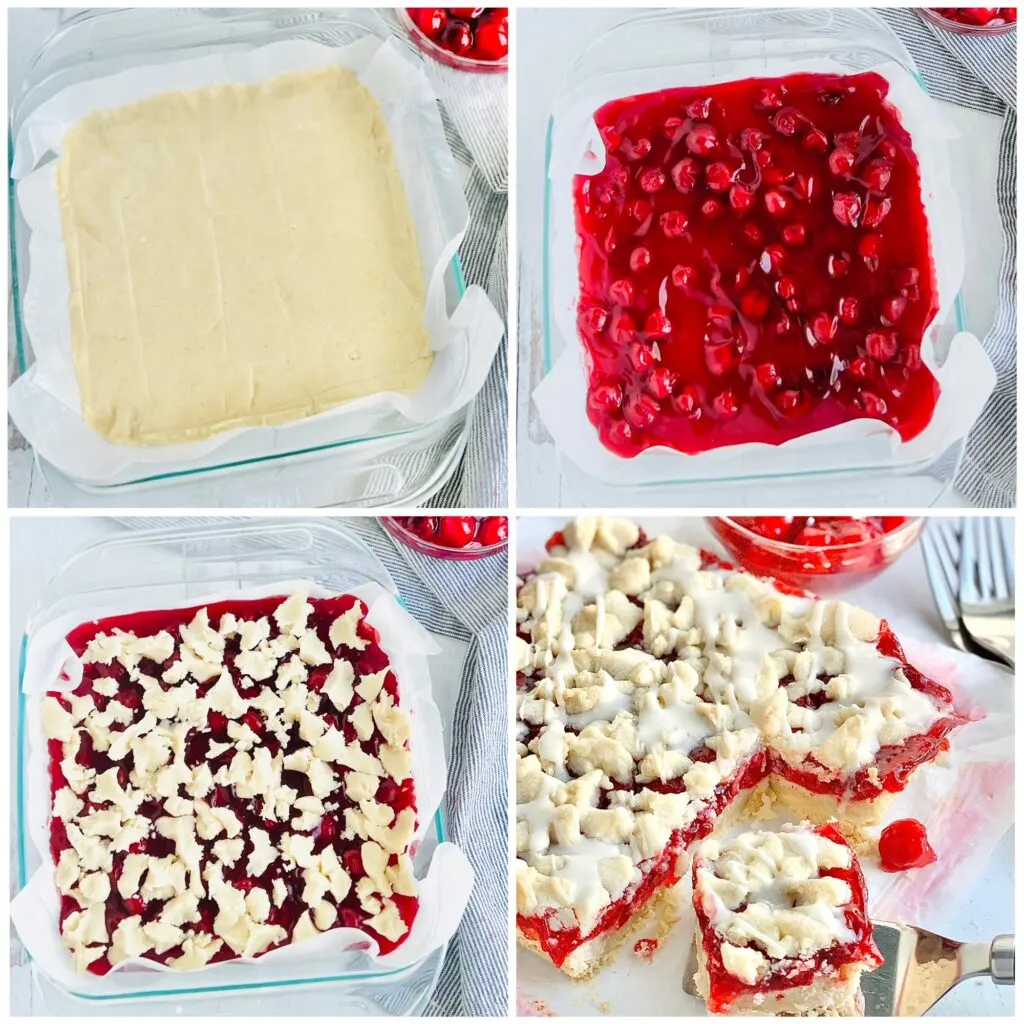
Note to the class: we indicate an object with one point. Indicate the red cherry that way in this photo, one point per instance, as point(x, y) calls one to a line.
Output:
point(639, 210)
point(592, 320)
point(823, 327)
point(623, 330)
point(493, 530)
point(492, 40)
point(653, 180)
point(794, 234)
point(699, 110)
point(670, 127)
point(712, 209)
point(816, 140)
point(849, 310)
point(622, 291)
point(216, 722)
point(877, 175)
point(718, 176)
point(769, 98)
point(881, 345)
point(458, 38)
point(786, 122)
point(702, 140)
point(741, 198)
point(254, 721)
point(641, 357)
point(870, 249)
point(907, 278)
point(456, 531)
point(846, 208)
point(661, 382)
point(751, 231)
point(642, 411)
point(725, 404)
point(893, 308)
point(639, 259)
point(776, 203)
point(841, 161)
point(772, 259)
point(838, 266)
point(685, 174)
point(720, 358)
point(767, 376)
point(904, 845)
point(618, 435)
point(469, 13)
point(606, 397)
point(658, 323)
point(752, 139)
point(876, 210)
point(683, 276)
point(674, 223)
point(786, 288)
point(432, 20)
point(687, 402)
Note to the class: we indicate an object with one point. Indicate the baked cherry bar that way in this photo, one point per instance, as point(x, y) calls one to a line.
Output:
point(754, 265)
point(229, 779)
point(660, 694)
point(782, 925)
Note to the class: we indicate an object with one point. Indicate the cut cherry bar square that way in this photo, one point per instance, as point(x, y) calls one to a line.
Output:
point(782, 923)
point(228, 779)
point(754, 265)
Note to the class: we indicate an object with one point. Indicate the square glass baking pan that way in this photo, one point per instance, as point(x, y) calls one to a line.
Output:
point(722, 45)
point(393, 460)
point(160, 567)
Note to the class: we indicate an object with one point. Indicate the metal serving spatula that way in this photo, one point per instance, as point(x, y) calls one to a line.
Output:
point(920, 968)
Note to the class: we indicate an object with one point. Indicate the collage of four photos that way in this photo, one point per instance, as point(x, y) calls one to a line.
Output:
point(512, 511)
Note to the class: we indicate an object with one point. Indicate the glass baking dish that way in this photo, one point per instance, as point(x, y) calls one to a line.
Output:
point(392, 460)
point(720, 45)
point(160, 567)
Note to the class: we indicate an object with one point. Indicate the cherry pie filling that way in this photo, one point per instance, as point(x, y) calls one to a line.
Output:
point(398, 796)
point(754, 265)
point(793, 972)
point(890, 772)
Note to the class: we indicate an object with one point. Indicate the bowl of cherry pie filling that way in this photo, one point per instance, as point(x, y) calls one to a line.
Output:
point(233, 793)
point(767, 254)
point(668, 707)
point(821, 553)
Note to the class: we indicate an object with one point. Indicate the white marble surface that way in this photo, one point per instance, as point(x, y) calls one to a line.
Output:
point(901, 595)
point(39, 547)
point(554, 39)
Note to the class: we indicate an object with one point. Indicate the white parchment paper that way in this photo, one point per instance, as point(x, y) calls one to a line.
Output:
point(51, 664)
point(45, 402)
point(965, 800)
point(966, 375)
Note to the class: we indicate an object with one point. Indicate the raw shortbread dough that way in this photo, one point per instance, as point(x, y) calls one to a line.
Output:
point(238, 255)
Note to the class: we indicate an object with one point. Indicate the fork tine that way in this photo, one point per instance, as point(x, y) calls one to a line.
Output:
point(968, 564)
point(943, 593)
point(947, 551)
point(995, 558)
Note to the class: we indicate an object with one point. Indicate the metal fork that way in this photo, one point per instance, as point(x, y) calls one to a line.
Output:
point(941, 548)
point(987, 585)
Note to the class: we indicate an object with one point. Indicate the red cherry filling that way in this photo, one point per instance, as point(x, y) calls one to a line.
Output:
point(248, 811)
point(904, 845)
point(756, 223)
point(479, 33)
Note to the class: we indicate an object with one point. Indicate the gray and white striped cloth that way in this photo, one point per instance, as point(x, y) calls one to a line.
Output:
point(465, 601)
point(981, 73)
point(475, 113)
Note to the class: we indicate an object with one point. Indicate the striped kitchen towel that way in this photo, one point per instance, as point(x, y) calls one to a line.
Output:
point(465, 601)
point(980, 72)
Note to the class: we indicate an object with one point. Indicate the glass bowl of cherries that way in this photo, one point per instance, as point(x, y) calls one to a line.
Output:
point(823, 554)
point(453, 537)
point(980, 21)
point(467, 38)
